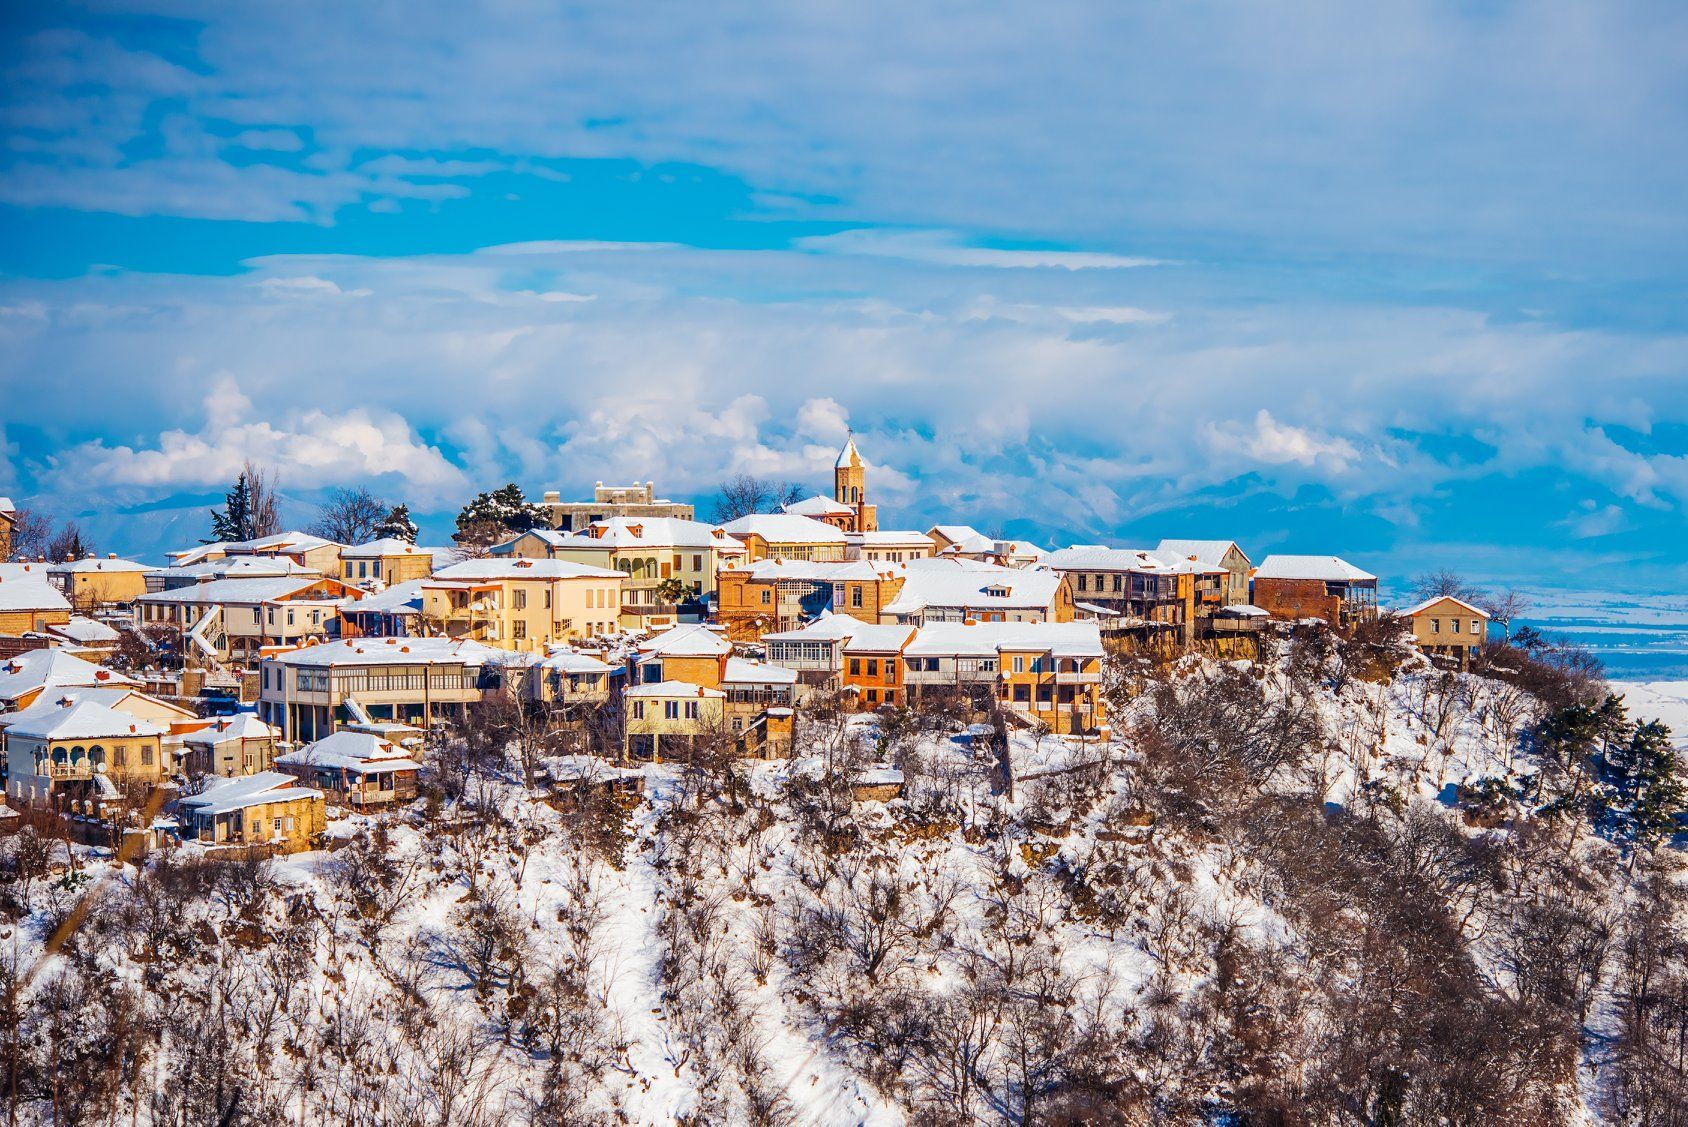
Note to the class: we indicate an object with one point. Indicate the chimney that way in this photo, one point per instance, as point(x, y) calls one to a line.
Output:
point(552, 497)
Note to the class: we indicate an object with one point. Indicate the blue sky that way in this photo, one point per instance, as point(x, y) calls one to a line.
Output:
point(1404, 285)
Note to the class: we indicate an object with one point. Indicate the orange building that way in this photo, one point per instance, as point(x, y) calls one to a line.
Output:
point(769, 596)
point(873, 664)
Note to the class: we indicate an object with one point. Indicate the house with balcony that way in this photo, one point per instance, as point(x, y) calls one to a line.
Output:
point(951, 589)
point(787, 536)
point(265, 808)
point(567, 677)
point(74, 755)
point(357, 769)
point(522, 604)
point(393, 613)
point(658, 557)
point(1327, 587)
point(229, 622)
point(814, 651)
point(1045, 672)
point(313, 691)
point(757, 698)
point(770, 595)
point(1215, 554)
point(1135, 590)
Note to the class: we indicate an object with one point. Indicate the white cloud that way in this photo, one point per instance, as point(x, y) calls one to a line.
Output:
point(1272, 443)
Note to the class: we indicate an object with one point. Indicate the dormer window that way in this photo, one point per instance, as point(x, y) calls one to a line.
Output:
point(998, 592)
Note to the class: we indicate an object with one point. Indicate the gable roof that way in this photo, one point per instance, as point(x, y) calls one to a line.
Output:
point(357, 752)
point(817, 506)
point(81, 719)
point(692, 640)
point(1059, 639)
point(495, 569)
point(240, 726)
point(226, 795)
point(384, 547)
point(30, 590)
point(673, 689)
point(41, 669)
point(94, 564)
point(950, 582)
point(1331, 569)
point(396, 651)
point(784, 528)
point(1204, 551)
point(1420, 608)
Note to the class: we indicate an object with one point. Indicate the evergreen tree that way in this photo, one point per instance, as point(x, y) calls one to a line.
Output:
point(397, 525)
point(231, 522)
point(497, 515)
point(1647, 778)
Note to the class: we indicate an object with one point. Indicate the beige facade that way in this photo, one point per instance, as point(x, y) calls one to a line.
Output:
point(1448, 626)
point(669, 717)
point(266, 809)
point(96, 581)
point(76, 753)
point(637, 502)
point(522, 604)
point(387, 562)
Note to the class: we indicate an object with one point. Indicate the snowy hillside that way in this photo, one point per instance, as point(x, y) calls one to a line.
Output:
point(1322, 885)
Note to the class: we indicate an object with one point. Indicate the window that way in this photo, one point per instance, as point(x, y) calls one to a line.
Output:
point(520, 601)
point(1435, 626)
point(671, 709)
point(856, 594)
point(697, 563)
point(638, 710)
point(1019, 664)
point(873, 696)
point(1082, 579)
point(146, 757)
point(120, 755)
point(691, 710)
point(375, 569)
point(1475, 627)
point(277, 822)
point(257, 616)
point(1117, 585)
point(873, 667)
point(518, 630)
point(855, 666)
point(765, 598)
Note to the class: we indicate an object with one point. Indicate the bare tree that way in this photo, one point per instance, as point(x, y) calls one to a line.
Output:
point(743, 494)
point(68, 543)
point(350, 517)
point(30, 533)
point(1506, 607)
point(1445, 583)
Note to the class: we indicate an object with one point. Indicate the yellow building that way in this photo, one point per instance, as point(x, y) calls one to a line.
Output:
point(29, 601)
point(656, 554)
point(71, 754)
point(522, 604)
point(229, 746)
point(1448, 626)
point(389, 561)
point(96, 581)
point(786, 536)
point(268, 808)
point(670, 718)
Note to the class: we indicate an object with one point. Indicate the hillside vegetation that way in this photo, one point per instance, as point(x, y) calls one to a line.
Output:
point(1333, 886)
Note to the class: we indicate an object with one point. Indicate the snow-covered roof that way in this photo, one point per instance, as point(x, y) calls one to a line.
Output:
point(631, 532)
point(30, 590)
point(568, 661)
point(742, 671)
point(1204, 551)
point(848, 456)
point(1419, 608)
point(97, 564)
point(828, 627)
point(956, 533)
point(79, 720)
point(1060, 639)
point(396, 651)
point(672, 689)
point(968, 584)
point(1243, 610)
point(878, 639)
point(226, 795)
point(1331, 569)
point(240, 726)
point(400, 598)
point(882, 775)
point(83, 630)
point(357, 752)
point(495, 569)
point(6, 505)
point(1098, 557)
point(784, 528)
point(692, 640)
point(241, 591)
point(820, 571)
point(280, 544)
point(889, 538)
point(117, 697)
point(817, 506)
point(235, 567)
point(39, 669)
point(383, 548)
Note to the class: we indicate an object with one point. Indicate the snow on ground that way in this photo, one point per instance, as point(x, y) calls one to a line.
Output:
point(1665, 701)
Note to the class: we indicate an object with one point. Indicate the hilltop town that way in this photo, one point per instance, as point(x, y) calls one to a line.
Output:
point(604, 813)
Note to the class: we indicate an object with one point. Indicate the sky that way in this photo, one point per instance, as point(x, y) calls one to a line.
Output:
point(1401, 282)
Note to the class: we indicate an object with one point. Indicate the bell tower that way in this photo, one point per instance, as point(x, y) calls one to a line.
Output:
point(849, 487)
